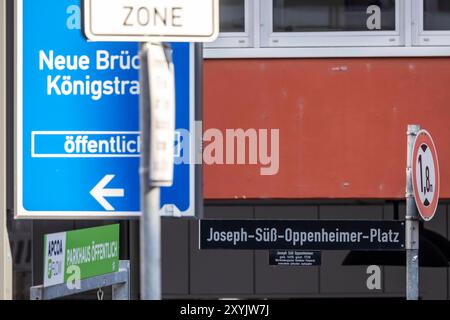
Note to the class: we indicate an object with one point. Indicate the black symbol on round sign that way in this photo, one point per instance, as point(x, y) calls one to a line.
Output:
point(426, 171)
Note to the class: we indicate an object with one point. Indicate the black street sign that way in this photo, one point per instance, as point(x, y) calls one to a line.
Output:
point(302, 234)
point(294, 258)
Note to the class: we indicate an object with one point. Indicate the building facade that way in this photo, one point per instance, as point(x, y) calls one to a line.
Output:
point(338, 81)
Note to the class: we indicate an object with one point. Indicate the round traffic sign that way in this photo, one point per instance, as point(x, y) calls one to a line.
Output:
point(425, 177)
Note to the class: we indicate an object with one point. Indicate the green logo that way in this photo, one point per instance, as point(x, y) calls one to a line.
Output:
point(49, 271)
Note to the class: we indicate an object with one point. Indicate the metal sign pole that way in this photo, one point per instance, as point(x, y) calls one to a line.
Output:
point(199, 210)
point(5, 250)
point(412, 223)
point(150, 223)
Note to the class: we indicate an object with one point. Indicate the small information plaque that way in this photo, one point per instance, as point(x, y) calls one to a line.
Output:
point(295, 258)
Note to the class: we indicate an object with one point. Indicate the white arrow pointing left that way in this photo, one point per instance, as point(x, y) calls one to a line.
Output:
point(99, 192)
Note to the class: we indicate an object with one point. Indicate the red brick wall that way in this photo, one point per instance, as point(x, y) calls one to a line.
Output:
point(342, 123)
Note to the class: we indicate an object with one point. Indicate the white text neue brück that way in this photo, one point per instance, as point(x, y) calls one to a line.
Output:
point(65, 85)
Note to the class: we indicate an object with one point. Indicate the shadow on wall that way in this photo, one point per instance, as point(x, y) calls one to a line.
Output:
point(434, 252)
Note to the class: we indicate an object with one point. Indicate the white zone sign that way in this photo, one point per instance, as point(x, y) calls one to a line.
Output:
point(151, 20)
point(425, 175)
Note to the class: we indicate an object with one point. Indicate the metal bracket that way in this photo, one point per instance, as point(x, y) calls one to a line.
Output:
point(120, 282)
point(412, 234)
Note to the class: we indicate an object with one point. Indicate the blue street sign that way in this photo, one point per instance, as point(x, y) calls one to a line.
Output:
point(179, 200)
point(77, 120)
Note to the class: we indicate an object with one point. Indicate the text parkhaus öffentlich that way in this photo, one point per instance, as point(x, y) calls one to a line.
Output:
point(69, 84)
point(301, 238)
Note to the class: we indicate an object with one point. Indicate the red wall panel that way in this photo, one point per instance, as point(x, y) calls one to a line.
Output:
point(342, 123)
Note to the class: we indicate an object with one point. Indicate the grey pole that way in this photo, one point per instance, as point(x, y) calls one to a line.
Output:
point(412, 223)
point(150, 223)
point(199, 211)
point(5, 249)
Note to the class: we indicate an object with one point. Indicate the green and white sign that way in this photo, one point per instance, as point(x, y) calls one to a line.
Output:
point(87, 253)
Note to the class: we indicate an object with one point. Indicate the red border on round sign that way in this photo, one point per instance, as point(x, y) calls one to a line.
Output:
point(424, 137)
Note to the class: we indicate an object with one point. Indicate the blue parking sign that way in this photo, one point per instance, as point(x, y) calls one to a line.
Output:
point(77, 120)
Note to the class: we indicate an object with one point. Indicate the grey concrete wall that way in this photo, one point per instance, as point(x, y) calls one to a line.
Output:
point(191, 273)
